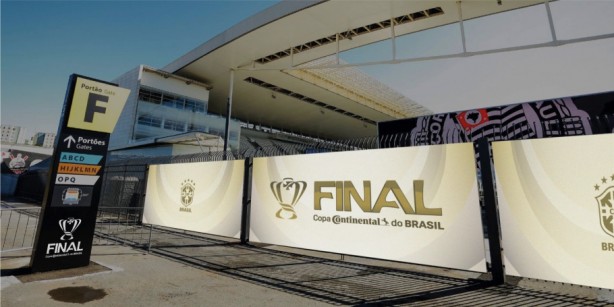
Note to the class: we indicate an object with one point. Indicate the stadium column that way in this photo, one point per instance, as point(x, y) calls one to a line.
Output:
point(228, 112)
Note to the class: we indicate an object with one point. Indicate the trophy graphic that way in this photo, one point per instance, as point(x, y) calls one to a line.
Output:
point(68, 226)
point(287, 192)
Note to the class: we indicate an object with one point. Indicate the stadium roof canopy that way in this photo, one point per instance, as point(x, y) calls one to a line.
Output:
point(283, 65)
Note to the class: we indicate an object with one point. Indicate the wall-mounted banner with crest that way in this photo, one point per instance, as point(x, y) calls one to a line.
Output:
point(203, 197)
point(556, 201)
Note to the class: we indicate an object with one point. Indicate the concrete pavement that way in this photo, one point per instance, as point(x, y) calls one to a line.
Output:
point(191, 269)
point(135, 278)
point(123, 276)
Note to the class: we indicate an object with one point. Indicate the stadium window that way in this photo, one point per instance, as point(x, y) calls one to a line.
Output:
point(200, 107)
point(174, 125)
point(195, 106)
point(173, 101)
point(179, 103)
point(150, 96)
point(189, 105)
point(168, 101)
point(148, 120)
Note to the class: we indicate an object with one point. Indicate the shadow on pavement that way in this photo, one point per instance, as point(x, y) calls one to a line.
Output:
point(345, 283)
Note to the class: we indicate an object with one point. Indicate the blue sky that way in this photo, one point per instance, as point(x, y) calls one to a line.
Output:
point(43, 42)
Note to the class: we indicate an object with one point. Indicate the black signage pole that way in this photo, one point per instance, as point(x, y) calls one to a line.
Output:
point(68, 217)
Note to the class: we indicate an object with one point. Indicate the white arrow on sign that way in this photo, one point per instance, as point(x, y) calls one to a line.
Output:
point(70, 140)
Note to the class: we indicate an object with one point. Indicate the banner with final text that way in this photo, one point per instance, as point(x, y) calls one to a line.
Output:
point(417, 205)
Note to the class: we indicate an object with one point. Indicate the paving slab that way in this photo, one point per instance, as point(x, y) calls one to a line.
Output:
point(135, 278)
point(191, 269)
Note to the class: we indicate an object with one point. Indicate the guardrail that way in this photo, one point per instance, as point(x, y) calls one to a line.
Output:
point(114, 225)
point(121, 225)
point(18, 227)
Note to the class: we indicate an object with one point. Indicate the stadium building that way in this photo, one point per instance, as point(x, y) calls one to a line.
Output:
point(280, 77)
point(166, 114)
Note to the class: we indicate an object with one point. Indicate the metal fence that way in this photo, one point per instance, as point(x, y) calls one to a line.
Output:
point(121, 225)
point(116, 225)
point(321, 279)
point(123, 185)
point(18, 226)
point(125, 178)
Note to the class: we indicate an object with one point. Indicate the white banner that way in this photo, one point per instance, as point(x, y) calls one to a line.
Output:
point(204, 197)
point(416, 205)
point(556, 199)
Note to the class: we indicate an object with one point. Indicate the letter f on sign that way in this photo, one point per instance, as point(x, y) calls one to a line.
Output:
point(93, 108)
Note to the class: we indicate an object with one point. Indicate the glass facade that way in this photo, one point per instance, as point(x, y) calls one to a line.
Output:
point(172, 100)
point(162, 114)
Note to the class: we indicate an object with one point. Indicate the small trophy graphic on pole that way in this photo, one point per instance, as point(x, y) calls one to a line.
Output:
point(68, 226)
point(287, 192)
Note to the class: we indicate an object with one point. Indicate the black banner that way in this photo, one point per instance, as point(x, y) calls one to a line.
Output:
point(582, 115)
point(17, 161)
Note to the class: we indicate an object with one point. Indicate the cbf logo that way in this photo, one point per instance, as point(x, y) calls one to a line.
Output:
point(68, 226)
point(187, 194)
point(605, 203)
point(287, 192)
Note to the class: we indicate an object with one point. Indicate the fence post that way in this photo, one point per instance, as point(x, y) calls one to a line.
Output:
point(149, 242)
point(247, 200)
point(492, 215)
point(143, 191)
point(609, 124)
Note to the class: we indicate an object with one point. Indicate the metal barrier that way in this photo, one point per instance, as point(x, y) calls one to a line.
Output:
point(123, 185)
point(125, 178)
point(121, 225)
point(322, 279)
point(18, 227)
point(114, 225)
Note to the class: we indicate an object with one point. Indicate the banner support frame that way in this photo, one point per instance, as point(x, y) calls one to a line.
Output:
point(493, 226)
point(247, 200)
